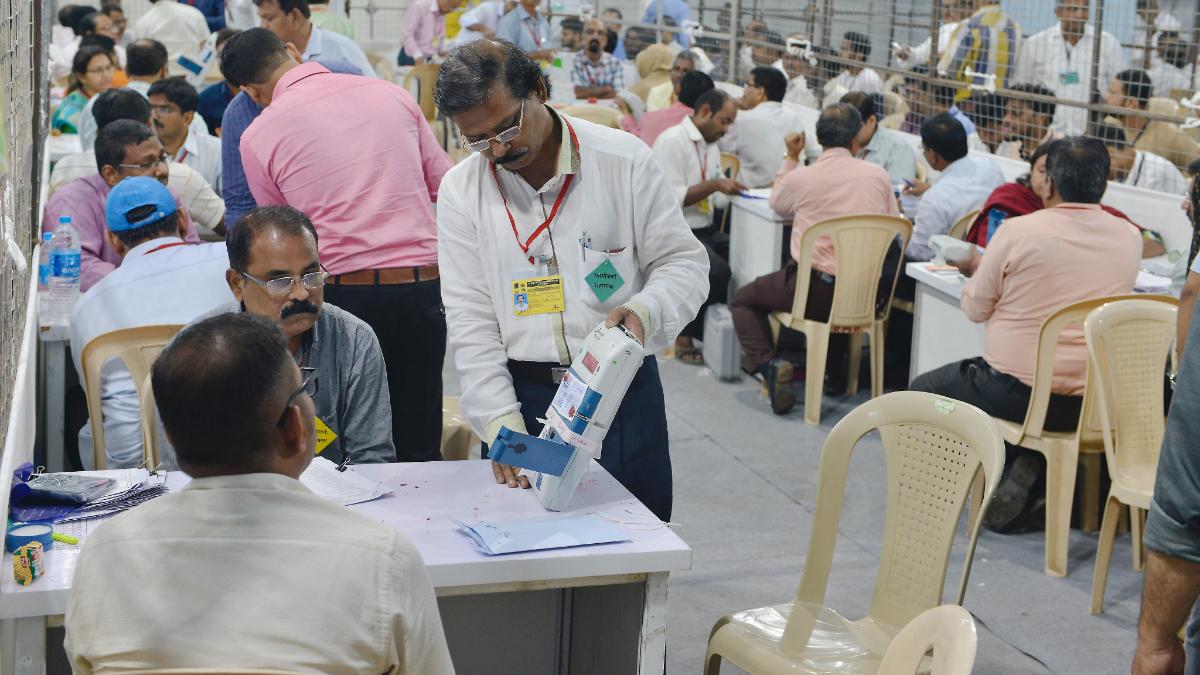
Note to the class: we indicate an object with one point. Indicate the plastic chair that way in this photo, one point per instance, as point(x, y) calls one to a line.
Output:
point(137, 348)
point(949, 630)
point(150, 452)
point(215, 671)
point(426, 76)
point(597, 114)
point(1064, 450)
point(959, 229)
point(731, 166)
point(935, 448)
point(863, 242)
point(382, 65)
point(1129, 343)
point(458, 441)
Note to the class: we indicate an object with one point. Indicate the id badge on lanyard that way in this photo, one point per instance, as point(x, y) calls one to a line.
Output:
point(534, 292)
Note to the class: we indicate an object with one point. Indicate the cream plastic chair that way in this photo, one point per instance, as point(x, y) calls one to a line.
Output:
point(382, 65)
point(863, 241)
point(214, 671)
point(137, 348)
point(458, 441)
point(949, 630)
point(1129, 344)
point(150, 451)
point(597, 114)
point(935, 448)
point(731, 166)
point(426, 76)
point(959, 229)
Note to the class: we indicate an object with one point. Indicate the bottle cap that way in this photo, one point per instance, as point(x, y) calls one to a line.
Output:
point(64, 219)
point(47, 236)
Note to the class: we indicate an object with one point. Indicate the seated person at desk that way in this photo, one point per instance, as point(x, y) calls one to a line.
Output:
point(882, 146)
point(663, 95)
point(250, 569)
point(1072, 250)
point(274, 271)
point(161, 280)
point(91, 73)
point(597, 74)
point(764, 121)
point(652, 124)
point(835, 185)
point(1026, 123)
point(1139, 168)
point(964, 185)
point(124, 148)
point(1131, 91)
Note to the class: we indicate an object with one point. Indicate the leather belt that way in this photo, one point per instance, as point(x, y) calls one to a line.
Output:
point(546, 373)
point(391, 276)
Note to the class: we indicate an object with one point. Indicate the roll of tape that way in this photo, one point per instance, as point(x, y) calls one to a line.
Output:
point(19, 535)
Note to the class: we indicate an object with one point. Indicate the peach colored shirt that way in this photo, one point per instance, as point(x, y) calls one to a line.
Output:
point(1038, 264)
point(835, 185)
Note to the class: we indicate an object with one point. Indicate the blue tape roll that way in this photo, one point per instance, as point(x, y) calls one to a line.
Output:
point(23, 533)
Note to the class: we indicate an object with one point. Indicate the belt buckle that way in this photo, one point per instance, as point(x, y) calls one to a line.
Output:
point(557, 374)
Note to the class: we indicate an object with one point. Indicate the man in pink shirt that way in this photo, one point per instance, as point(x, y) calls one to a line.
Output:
point(357, 157)
point(1072, 250)
point(425, 30)
point(836, 184)
point(693, 85)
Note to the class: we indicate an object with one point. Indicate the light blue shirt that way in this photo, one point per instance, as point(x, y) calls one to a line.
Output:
point(891, 152)
point(530, 33)
point(962, 118)
point(963, 187)
point(324, 45)
point(677, 10)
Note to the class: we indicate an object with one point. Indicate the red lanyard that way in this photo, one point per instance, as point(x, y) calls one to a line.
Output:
point(703, 168)
point(536, 40)
point(558, 201)
point(156, 249)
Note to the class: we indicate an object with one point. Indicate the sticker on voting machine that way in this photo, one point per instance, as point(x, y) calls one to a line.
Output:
point(537, 295)
point(569, 395)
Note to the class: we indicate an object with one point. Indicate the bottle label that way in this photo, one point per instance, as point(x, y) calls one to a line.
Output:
point(44, 274)
point(63, 264)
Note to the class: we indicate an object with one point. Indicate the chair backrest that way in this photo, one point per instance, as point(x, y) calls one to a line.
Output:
point(150, 450)
point(137, 348)
point(864, 240)
point(959, 229)
point(426, 76)
point(949, 630)
point(1158, 105)
point(731, 166)
point(596, 114)
point(894, 105)
point(382, 65)
point(1128, 343)
point(934, 447)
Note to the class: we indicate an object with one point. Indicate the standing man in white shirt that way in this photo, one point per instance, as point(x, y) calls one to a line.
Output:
point(181, 28)
point(173, 110)
point(757, 135)
point(1060, 59)
point(481, 20)
point(691, 161)
point(161, 280)
point(856, 49)
point(1149, 23)
point(291, 21)
point(952, 17)
point(882, 146)
point(240, 548)
point(526, 206)
point(1130, 166)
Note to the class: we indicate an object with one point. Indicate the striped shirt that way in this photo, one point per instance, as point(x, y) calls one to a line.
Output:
point(988, 44)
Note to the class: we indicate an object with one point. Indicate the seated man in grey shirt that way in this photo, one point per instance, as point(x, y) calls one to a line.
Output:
point(275, 272)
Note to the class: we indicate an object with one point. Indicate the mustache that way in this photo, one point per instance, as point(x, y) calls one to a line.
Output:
point(297, 307)
point(593, 45)
point(511, 157)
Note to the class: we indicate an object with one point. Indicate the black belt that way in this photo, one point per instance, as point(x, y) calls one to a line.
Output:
point(545, 372)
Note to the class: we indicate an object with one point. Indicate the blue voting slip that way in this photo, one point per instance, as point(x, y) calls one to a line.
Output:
point(540, 534)
point(529, 452)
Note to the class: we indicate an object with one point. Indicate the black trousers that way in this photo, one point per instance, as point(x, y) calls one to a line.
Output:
point(410, 323)
point(719, 275)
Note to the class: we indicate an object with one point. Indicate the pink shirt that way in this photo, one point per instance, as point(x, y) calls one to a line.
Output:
point(356, 155)
point(1034, 266)
point(424, 29)
point(654, 123)
point(835, 185)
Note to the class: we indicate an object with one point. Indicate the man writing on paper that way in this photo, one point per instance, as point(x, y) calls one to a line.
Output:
point(250, 569)
point(568, 202)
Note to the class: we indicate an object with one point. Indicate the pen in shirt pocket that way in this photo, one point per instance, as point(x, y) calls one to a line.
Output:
point(585, 243)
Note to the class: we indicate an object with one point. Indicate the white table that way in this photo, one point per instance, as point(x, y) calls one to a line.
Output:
point(758, 239)
point(596, 609)
point(941, 332)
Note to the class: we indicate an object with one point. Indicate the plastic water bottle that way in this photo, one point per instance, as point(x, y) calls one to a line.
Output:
point(64, 273)
point(44, 263)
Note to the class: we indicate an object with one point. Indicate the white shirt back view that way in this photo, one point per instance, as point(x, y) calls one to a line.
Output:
point(756, 137)
point(181, 28)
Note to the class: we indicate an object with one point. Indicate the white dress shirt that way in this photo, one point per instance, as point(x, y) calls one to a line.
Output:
point(867, 81)
point(619, 200)
point(1049, 60)
point(324, 44)
point(963, 186)
point(181, 28)
point(1164, 21)
point(153, 285)
point(680, 151)
point(252, 571)
point(1152, 172)
point(203, 204)
point(242, 15)
point(1167, 77)
point(87, 120)
point(756, 137)
point(798, 92)
point(920, 54)
point(203, 153)
point(486, 14)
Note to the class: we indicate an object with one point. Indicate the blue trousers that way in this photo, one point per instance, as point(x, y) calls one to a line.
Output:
point(635, 448)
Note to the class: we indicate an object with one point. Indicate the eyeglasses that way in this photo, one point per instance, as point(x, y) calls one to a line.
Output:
point(309, 384)
point(503, 138)
point(147, 166)
point(163, 109)
point(281, 286)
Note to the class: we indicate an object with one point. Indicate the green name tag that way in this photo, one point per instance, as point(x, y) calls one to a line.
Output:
point(1069, 78)
point(605, 280)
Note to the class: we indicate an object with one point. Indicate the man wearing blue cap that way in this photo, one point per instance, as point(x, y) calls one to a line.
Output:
point(161, 279)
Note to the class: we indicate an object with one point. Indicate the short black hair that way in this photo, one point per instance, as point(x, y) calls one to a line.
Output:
point(102, 41)
point(110, 8)
point(1046, 108)
point(283, 219)
point(65, 18)
point(145, 58)
point(86, 24)
point(177, 91)
point(714, 99)
point(572, 23)
point(470, 72)
point(1194, 167)
point(772, 80)
point(946, 136)
point(864, 103)
point(838, 126)
point(860, 43)
point(1078, 167)
point(614, 10)
point(113, 138)
point(251, 56)
point(74, 16)
point(286, 6)
point(223, 36)
point(1136, 85)
point(120, 104)
point(692, 86)
point(163, 227)
point(988, 109)
point(1110, 134)
point(239, 359)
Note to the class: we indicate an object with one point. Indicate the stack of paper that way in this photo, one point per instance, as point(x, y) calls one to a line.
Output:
point(1151, 283)
point(119, 501)
point(540, 534)
point(340, 487)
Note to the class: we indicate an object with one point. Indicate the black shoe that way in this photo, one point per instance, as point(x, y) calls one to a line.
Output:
point(1014, 499)
point(778, 376)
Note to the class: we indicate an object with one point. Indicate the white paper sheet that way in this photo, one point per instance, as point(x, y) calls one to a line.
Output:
point(340, 487)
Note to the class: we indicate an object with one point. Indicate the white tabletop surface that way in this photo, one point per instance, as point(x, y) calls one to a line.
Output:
point(428, 498)
point(949, 282)
point(760, 208)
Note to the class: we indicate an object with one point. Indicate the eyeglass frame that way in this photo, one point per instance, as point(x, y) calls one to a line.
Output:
point(292, 279)
point(513, 134)
point(164, 158)
point(309, 377)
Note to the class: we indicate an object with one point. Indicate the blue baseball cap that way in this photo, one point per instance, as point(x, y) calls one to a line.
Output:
point(133, 193)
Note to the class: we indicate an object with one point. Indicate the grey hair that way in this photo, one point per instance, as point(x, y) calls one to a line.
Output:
point(468, 76)
point(838, 125)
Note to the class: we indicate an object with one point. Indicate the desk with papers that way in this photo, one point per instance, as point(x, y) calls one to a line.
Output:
point(594, 609)
point(758, 237)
